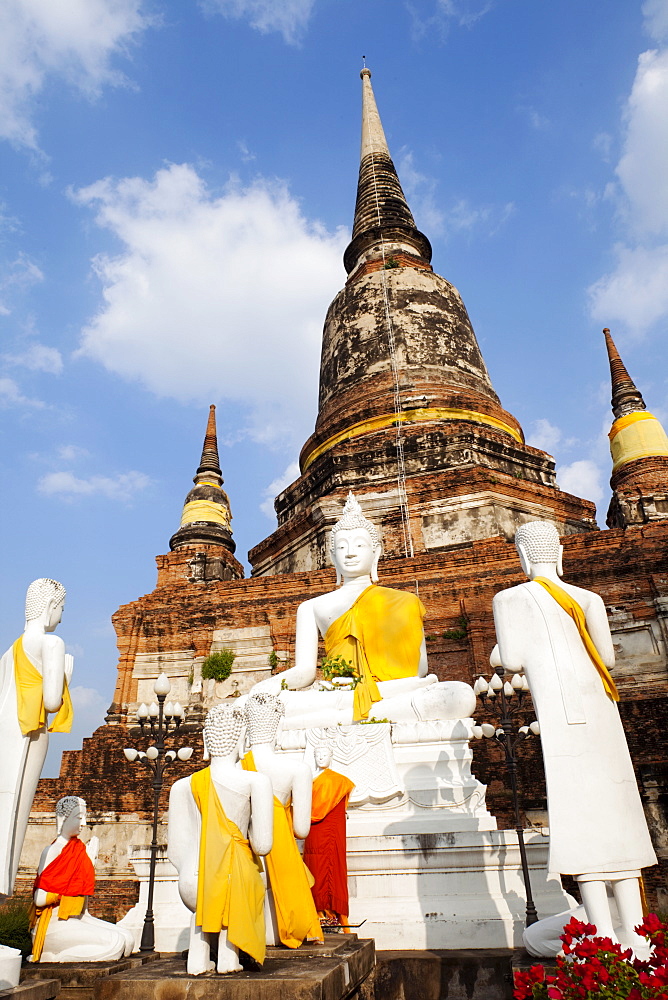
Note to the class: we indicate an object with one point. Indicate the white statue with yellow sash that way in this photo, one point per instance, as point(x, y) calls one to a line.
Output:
point(34, 677)
point(376, 629)
point(219, 818)
point(559, 636)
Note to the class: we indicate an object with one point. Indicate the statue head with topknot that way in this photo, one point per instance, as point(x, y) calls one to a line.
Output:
point(355, 544)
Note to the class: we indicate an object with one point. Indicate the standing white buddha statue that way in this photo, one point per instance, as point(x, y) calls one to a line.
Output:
point(559, 636)
point(216, 816)
point(34, 677)
point(378, 630)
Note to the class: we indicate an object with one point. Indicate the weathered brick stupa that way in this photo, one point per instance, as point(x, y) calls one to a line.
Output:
point(408, 416)
point(409, 419)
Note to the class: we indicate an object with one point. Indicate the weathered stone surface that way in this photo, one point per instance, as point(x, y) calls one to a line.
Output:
point(440, 975)
point(33, 989)
point(332, 972)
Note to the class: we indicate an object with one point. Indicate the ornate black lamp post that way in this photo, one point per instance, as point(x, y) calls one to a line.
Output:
point(158, 719)
point(504, 700)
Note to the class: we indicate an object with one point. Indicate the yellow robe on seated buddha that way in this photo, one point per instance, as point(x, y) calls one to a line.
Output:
point(289, 878)
point(381, 636)
point(230, 891)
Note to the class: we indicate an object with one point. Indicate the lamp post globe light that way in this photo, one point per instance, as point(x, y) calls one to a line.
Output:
point(159, 720)
point(504, 700)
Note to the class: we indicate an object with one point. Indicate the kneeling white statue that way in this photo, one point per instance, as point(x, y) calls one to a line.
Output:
point(378, 630)
point(63, 929)
point(559, 635)
point(210, 816)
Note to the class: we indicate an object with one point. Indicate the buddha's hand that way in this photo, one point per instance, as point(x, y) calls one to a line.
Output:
point(69, 666)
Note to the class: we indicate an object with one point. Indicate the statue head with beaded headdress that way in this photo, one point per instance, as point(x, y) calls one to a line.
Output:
point(222, 731)
point(42, 595)
point(353, 519)
point(537, 542)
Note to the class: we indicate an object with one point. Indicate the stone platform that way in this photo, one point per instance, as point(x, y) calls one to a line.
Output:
point(334, 971)
point(33, 989)
point(440, 975)
point(77, 980)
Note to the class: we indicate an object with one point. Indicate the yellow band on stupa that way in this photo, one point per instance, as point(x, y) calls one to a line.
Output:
point(204, 510)
point(421, 415)
point(636, 435)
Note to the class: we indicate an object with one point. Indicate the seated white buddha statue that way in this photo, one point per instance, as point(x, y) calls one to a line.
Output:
point(378, 630)
point(63, 930)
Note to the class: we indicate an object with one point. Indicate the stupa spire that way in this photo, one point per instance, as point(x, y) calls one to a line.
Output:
point(209, 466)
point(626, 398)
point(383, 225)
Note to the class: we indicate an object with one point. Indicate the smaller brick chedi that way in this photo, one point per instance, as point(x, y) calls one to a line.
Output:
point(639, 449)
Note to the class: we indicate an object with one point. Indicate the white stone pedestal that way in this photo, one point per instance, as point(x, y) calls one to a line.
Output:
point(171, 917)
point(427, 867)
point(448, 890)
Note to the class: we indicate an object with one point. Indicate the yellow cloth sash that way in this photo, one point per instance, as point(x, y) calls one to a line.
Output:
point(40, 917)
point(290, 879)
point(572, 608)
point(30, 700)
point(381, 636)
point(205, 510)
point(230, 891)
point(636, 435)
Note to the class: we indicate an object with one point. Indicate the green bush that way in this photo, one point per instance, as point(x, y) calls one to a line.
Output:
point(14, 926)
point(334, 667)
point(218, 666)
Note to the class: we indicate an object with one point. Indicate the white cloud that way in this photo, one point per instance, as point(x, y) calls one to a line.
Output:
point(465, 13)
point(656, 19)
point(463, 217)
point(420, 191)
point(67, 486)
point(635, 291)
point(214, 297)
point(277, 486)
point(16, 276)
point(43, 39)
point(38, 358)
point(288, 17)
point(72, 453)
point(582, 479)
point(11, 395)
point(544, 435)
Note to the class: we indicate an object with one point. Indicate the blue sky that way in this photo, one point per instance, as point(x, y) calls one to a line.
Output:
point(176, 189)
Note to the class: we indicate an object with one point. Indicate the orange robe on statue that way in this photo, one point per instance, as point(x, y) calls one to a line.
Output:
point(325, 846)
point(67, 880)
point(381, 636)
point(289, 878)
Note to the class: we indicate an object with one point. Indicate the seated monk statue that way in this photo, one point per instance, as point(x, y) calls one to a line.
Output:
point(325, 846)
point(219, 818)
point(62, 928)
point(34, 675)
point(378, 630)
point(291, 916)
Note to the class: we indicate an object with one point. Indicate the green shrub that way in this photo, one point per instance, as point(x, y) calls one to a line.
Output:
point(218, 666)
point(14, 929)
point(334, 667)
point(460, 631)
